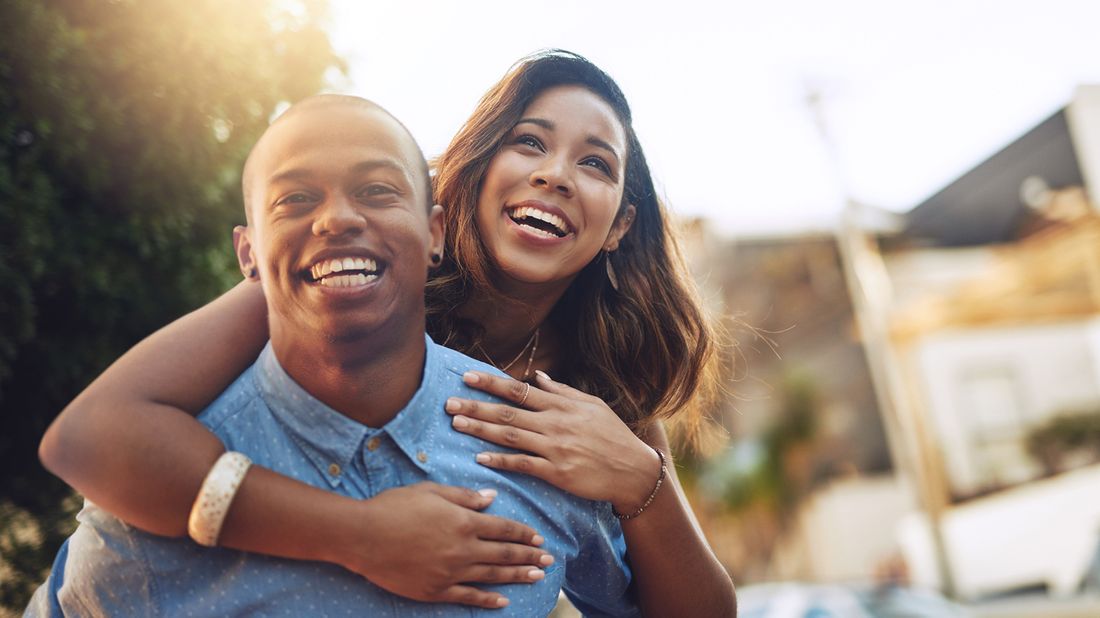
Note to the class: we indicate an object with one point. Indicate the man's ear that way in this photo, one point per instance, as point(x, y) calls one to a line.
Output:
point(242, 244)
point(620, 227)
point(436, 228)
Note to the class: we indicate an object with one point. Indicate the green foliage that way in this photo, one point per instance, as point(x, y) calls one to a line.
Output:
point(1065, 435)
point(123, 127)
point(774, 472)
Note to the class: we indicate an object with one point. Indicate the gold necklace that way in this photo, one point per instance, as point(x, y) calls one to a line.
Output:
point(532, 343)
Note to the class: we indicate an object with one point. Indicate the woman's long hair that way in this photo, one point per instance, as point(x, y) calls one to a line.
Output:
point(647, 348)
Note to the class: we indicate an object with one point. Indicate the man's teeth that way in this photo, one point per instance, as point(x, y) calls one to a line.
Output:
point(541, 215)
point(363, 267)
point(347, 281)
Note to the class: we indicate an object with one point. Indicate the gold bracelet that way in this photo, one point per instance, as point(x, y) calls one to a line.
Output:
point(652, 494)
point(216, 494)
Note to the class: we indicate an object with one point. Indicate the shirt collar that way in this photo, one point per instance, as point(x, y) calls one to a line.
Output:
point(411, 429)
point(327, 436)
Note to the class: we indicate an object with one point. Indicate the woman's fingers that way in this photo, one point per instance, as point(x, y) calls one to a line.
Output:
point(520, 393)
point(496, 574)
point(495, 413)
point(504, 435)
point(493, 528)
point(519, 462)
point(509, 554)
point(468, 595)
point(547, 384)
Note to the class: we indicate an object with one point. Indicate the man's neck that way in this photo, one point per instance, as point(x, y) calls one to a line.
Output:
point(369, 379)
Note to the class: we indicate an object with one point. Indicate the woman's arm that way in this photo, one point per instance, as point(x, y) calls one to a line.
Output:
point(130, 444)
point(578, 444)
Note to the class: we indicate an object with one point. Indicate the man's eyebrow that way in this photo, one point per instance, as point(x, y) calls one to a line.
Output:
point(299, 173)
point(592, 139)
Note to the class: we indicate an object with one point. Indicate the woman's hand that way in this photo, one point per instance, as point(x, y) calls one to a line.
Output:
point(429, 542)
point(571, 440)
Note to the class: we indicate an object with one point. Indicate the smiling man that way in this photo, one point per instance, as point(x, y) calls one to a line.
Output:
point(348, 396)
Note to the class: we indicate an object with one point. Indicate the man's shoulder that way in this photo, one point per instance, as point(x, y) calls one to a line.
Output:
point(453, 364)
point(235, 398)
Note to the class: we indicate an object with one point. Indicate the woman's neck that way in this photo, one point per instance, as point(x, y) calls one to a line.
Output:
point(510, 320)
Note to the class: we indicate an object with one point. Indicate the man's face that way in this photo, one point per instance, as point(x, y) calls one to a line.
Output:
point(340, 234)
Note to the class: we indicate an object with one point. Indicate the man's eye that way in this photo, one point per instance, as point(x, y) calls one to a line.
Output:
point(376, 191)
point(296, 198)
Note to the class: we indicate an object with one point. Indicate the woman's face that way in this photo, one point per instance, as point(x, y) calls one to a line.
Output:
point(550, 196)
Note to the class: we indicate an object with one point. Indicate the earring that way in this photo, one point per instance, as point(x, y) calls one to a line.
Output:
point(253, 273)
point(437, 259)
point(611, 271)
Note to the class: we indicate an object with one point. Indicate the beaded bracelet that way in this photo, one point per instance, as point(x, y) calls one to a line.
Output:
point(216, 494)
point(652, 494)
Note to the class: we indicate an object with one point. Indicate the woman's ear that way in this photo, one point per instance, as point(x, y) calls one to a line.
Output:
point(242, 244)
point(620, 227)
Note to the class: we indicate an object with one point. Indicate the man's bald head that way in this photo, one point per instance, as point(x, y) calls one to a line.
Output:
point(318, 103)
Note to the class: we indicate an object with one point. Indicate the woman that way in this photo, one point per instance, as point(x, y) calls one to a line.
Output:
point(559, 261)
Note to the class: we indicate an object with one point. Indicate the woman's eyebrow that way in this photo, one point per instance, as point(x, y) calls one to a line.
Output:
point(542, 122)
point(592, 139)
point(599, 143)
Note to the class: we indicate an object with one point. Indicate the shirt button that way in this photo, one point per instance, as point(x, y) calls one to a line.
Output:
point(334, 469)
point(373, 443)
point(422, 457)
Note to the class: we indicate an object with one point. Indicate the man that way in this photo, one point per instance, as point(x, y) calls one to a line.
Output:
point(348, 395)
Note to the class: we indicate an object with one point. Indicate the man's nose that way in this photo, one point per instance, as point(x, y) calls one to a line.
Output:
point(554, 174)
point(338, 216)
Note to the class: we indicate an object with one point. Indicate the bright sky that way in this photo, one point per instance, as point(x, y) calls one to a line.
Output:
point(913, 94)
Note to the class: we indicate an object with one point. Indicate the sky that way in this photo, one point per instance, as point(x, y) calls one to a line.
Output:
point(910, 95)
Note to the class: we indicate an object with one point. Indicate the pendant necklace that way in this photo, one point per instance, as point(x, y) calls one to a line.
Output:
point(532, 343)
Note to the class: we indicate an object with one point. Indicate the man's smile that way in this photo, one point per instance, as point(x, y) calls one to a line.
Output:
point(343, 271)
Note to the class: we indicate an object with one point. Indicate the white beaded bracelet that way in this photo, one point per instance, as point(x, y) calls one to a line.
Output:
point(216, 494)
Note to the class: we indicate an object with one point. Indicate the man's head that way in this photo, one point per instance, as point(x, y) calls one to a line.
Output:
point(340, 223)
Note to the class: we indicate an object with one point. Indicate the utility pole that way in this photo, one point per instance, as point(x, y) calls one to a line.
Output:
point(869, 287)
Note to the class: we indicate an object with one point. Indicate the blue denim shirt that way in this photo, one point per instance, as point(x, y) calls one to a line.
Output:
point(114, 569)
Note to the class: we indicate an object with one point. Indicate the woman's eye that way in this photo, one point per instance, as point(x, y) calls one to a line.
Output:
point(529, 140)
point(597, 163)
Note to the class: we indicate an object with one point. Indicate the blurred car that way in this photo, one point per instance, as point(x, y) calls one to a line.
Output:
point(799, 600)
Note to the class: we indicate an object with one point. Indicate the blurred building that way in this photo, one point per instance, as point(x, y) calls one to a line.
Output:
point(979, 311)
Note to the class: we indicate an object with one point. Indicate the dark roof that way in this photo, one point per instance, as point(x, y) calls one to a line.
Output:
point(984, 205)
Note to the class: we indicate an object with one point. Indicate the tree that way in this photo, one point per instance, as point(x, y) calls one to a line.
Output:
point(123, 127)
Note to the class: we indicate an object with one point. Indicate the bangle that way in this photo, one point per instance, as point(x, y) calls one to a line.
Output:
point(652, 494)
point(216, 494)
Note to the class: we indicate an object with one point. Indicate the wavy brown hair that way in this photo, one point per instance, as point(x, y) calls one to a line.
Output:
point(647, 348)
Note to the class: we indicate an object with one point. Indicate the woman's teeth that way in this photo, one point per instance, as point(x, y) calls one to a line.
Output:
point(541, 221)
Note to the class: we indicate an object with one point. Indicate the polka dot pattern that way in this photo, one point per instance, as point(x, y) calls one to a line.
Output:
point(113, 569)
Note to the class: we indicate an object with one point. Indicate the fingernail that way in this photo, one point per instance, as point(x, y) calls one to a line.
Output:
point(460, 421)
point(546, 560)
point(535, 574)
point(488, 493)
point(542, 374)
point(470, 377)
point(480, 458)
point(502, 602)
point(452, 404)
point(537, 540)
